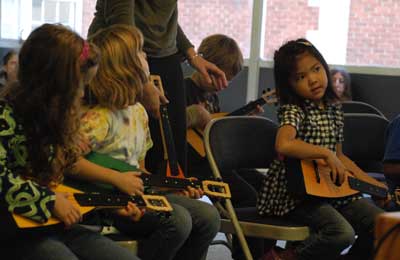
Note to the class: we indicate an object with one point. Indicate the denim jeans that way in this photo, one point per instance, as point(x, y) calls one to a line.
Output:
point(186, 234)
point(333, 230)
point(70, 244)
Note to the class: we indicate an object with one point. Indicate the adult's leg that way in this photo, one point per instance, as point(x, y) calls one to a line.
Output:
point(170, 71)
point(160, 237)
point(361, 214)
point(205, 226)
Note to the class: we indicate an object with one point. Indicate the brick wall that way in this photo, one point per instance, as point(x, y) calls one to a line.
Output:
point(287, 20)
point(374, 32)
point(373, 36)
point(200, 18)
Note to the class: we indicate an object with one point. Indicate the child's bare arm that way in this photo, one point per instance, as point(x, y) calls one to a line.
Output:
point(128, 182)
point(288, 145)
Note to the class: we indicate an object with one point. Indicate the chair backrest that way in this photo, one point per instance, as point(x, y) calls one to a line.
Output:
point(237, 142)
point(364, 136)
point(360, 107)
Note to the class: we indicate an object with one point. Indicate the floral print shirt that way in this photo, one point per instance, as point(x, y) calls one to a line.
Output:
point(122, 134)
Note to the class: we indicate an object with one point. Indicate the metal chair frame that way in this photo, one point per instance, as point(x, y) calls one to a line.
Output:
point(270, 227)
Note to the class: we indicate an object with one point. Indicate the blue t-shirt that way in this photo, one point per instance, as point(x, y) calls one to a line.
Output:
point(392, 141)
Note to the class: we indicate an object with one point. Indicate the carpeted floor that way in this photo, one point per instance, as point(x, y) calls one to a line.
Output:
point(219, 252)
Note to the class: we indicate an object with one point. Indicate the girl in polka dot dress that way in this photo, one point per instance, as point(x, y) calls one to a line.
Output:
point(311, 127)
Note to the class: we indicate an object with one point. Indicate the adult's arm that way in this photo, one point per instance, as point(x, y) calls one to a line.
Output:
point(109, 12)
point(208, 70)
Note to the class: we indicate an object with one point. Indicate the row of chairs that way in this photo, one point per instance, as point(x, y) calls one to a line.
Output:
point(249, 142)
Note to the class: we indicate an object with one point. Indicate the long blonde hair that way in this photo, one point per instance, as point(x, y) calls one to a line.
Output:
point(121, 76)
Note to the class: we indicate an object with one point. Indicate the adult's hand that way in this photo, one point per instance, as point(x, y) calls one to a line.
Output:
point(211, 73)
point(152, 98)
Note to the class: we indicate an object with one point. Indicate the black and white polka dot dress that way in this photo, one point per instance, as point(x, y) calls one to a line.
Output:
point(314, 125)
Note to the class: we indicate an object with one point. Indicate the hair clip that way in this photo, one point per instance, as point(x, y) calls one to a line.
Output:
point(306, 43)
point(85, 52)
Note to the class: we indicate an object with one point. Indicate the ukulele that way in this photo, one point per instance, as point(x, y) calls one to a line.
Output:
point(212, 188)
point(313, 178)
point(170, 165)
point(86, 202)
point(194, 136)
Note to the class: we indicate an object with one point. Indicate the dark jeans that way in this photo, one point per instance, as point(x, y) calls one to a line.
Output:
point(186, 234)
point(70, 244)
point(169, 69)
point(333, 230)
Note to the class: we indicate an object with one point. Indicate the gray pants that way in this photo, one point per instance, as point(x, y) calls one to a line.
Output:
point(333, 230)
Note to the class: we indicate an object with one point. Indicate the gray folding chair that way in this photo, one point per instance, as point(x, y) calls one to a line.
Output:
point(360, 107)
point(239, 142)
point(364, 143)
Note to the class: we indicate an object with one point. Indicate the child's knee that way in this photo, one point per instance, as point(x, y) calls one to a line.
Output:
point(179, 223)
point(211, 218)
point(344, 239)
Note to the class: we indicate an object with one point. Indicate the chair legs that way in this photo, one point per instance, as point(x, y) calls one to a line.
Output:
point(238, 229)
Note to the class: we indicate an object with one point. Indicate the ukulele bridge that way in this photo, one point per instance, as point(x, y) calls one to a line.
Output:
point(217, 189)
point(157, 203)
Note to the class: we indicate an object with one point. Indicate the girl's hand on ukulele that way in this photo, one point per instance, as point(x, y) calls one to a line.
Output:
point(129, 183)
point(337, 168)
point(65, 211)
point(131, 211)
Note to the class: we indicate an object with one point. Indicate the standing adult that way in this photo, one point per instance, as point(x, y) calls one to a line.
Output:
point(165, 45)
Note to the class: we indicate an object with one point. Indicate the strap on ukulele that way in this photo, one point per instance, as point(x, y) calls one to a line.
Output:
point(172, 166)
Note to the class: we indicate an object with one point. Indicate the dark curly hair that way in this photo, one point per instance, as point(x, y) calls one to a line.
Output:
point(46, 99)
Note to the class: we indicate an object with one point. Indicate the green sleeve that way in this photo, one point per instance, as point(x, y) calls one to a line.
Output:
point(20, 196)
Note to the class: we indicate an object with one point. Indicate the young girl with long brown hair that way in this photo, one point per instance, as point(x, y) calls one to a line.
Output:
point(38, 131)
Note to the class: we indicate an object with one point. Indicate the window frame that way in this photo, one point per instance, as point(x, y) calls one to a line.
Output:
point(76, 21)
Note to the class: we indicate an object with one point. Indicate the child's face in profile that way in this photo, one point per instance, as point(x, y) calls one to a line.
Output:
point(143, 61)
point(11, 68)
point(310, 79)
point(338, 83)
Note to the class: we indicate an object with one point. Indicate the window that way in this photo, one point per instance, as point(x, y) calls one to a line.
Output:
point(347, 32)
point(20, 17)
point(201, 18)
